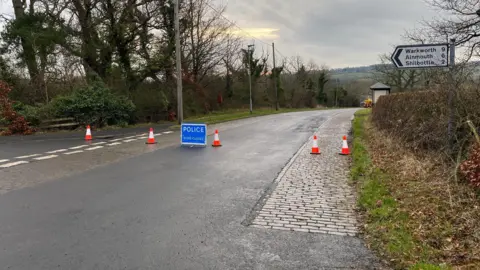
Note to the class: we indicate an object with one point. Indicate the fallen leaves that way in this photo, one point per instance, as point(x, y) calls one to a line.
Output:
point(470, 168)
point(443, 214)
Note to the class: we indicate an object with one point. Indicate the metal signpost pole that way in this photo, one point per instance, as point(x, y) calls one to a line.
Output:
point(432, 56)
point(451, 95)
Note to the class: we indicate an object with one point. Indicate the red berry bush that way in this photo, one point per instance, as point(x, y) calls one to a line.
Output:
point(470, 168)
point(16, 123)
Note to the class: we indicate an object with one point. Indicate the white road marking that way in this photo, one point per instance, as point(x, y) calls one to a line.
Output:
point(158, 134)
point(98, 143)
point(143, 134)
point(142, 138)
point(46, 157)
point(115, 143)
point(78, 147)
point(131, 140)
point(129, 137)
point(74, 152)
point(4, 160)
point(57, 151)
point(93, 148)
point(29, 156)
point(116, 140)
point(8, 165)
point(167, 132)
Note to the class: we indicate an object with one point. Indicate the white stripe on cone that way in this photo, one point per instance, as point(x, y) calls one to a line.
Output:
point(151, 139)
point(315, 144)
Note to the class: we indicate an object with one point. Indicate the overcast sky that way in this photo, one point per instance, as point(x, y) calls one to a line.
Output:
point(338, 33)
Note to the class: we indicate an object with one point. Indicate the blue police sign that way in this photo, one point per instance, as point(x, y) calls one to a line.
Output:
point(194, 134)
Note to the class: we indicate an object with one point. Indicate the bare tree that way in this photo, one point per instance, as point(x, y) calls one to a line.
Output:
point(207, 38)
point(299, 82)
point(460, 21)
point(312, 66)
point(232, 62)
point(398, 79)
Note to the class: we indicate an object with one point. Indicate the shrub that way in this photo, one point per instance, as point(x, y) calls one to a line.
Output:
point(16, 123)
point(94, 105)
point(151, 103)
point(420, 119)
point(30, 113)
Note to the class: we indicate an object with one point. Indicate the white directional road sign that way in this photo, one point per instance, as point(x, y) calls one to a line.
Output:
point(421, 56)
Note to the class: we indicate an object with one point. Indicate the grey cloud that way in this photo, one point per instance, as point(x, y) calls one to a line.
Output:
point(335, 32)
point(280, 19)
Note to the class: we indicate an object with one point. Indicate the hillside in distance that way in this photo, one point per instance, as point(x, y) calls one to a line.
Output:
point(368, 72)
point(353, 73)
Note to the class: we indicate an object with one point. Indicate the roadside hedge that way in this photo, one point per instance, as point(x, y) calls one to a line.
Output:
point(30, 113)
point(420, 119)
point(95, 105)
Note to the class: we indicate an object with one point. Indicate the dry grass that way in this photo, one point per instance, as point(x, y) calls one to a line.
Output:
point(443, 212)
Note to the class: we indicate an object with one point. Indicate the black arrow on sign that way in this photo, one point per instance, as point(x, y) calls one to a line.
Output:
point(397, 59)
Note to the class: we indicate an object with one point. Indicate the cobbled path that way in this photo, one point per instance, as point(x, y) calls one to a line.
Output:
point(313, 194)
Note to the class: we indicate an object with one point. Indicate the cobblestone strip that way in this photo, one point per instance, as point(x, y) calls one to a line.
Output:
point(312, 195)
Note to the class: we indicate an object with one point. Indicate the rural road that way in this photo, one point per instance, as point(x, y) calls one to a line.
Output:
point(127, 205)
point(15, 146)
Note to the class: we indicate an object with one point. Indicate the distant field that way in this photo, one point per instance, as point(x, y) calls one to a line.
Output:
point(352, 76)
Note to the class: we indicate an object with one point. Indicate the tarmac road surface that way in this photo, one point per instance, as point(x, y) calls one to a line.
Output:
point(135, 206)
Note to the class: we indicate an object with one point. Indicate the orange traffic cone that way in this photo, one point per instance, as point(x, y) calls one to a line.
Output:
point(216, 140)
point(315, 149)
point(88, 135)
point(151, 139)
point(345, 150)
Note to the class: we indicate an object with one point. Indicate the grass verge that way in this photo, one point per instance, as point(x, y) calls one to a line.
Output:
point(387, 229)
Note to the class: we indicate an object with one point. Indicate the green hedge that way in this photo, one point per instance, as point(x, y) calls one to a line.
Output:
point(95, 105)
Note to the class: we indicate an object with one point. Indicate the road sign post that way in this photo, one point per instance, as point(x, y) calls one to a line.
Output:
point(421, 56)
point(193, 134)
point(451, 95)
point(431, 56)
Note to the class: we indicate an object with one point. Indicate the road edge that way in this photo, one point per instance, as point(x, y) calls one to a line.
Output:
point(247, 221)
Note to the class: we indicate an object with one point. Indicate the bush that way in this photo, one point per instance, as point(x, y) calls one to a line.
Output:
point(94, 105)
point(16, 123)
point(151, 103)
point(420, 119)
point(30, 113)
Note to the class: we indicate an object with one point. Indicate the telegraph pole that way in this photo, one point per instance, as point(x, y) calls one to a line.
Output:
point(336, 89)
point(275, 78)
point(179, 63)
point(250, 76)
